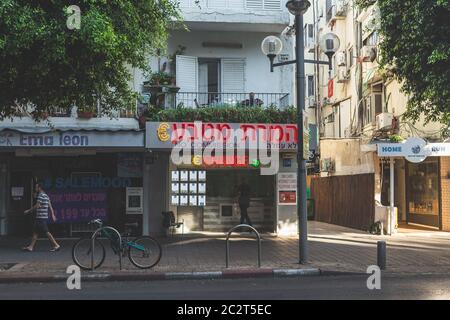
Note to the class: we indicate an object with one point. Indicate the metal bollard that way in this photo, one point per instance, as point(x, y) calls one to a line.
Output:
point(381, 254)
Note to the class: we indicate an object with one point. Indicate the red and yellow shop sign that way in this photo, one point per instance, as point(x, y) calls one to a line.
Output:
point(164, 135)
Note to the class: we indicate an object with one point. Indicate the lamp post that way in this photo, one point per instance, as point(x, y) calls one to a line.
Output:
point(271, 47)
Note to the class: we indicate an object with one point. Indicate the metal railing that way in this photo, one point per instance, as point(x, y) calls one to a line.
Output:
point(226, 100)
point(71, 112)
point(227, 253)
point(94, 235)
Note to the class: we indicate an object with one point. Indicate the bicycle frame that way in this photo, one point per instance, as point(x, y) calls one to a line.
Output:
point(125, 243)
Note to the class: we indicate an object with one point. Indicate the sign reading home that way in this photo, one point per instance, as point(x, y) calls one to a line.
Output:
point(414, 149)
point(72, 139)
point(165, 135)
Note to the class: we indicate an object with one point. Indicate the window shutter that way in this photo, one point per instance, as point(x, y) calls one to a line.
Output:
point(272, 5)
point(254, 4)
point(264, 4)
point(233, 75)
point(187, 79)
point(187, 73)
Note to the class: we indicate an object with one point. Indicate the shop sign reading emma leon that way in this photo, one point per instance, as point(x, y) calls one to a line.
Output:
point(71, 139)
point(414, 149)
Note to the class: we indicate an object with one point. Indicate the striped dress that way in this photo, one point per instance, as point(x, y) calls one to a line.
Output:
point(44, 202)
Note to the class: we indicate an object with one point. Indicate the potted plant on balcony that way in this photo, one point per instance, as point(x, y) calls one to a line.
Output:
point(85, 112)
point(160, 78)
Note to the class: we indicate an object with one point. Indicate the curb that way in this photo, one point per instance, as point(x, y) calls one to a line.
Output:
point(203, 275)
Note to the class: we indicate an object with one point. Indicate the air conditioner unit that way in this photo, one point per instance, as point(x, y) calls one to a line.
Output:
point(369, 53)
point(384, 121)
point(338, 10)
point(327, 165)
point(311, 102)
point(341, 58)
point(343, 75)
point(310, 46)
point(341, 8)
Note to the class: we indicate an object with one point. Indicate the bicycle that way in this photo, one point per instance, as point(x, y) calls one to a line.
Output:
point(143, 252)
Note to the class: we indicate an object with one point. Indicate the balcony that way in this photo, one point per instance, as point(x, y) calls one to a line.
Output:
point(235, 15)
point(336, 10)
point(226, 100)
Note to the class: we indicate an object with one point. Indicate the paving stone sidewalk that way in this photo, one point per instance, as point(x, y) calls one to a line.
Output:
point(332, 248)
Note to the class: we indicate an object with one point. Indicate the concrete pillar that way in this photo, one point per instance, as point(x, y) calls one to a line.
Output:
point(146, 195)
point(156, 191)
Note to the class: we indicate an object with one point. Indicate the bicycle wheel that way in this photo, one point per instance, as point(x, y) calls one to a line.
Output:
point(81, 253)
point(144, 252)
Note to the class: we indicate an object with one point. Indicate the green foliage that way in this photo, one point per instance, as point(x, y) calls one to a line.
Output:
point(160, 77)
point(396, 138)
point(364, 3)
point(416, 42)
point(231, 114)
point(46, 64)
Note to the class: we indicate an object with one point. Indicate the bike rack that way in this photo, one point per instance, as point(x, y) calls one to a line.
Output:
point(93, 245)
point(227, 256)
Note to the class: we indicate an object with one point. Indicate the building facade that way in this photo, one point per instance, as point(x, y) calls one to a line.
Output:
point(360, 107)
point(87, 166)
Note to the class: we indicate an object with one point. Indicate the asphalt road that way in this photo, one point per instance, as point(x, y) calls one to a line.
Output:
point(316, 287)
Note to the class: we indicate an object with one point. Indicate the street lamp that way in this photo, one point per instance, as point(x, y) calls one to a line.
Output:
point(329, 44)
point(272, 46)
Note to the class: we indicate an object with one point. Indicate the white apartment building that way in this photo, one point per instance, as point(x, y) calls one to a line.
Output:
point(218, 61)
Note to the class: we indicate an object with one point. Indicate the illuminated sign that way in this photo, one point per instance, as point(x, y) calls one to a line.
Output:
point(162, 132)
point(164, 135)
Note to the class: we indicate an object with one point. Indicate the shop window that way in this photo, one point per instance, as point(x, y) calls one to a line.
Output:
point(423, 192)
point(225, 182)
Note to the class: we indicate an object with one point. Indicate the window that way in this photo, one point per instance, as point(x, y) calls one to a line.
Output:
point(328, 9)
point(310, 86)
point(309, 35)
point(371, 40)
point(367, 110)
point(350, 58)
point(263, 4)
point(373, 104)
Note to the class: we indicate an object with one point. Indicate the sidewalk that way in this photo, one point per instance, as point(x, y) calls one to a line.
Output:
point(332, 248)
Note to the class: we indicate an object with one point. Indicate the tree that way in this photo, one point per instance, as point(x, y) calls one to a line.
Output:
point(416, 43)
point(47, 61)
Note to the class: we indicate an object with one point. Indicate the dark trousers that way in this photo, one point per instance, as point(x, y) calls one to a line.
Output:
point(244, 215)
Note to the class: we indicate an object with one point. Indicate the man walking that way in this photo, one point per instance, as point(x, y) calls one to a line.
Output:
point(244, 202)
point(42, 207)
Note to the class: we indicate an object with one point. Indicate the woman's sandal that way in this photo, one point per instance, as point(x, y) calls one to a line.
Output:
point(27, 249)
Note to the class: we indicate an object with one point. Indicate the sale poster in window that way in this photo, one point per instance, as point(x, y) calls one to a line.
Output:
point(79, 205)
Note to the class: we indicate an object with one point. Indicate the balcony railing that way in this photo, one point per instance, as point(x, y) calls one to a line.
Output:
point(224, 100)
point(61, 112)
